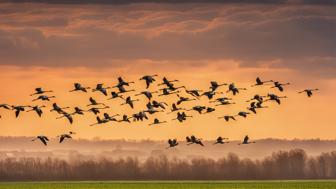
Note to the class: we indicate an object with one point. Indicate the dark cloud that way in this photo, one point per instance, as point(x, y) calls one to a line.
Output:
point(300, 37)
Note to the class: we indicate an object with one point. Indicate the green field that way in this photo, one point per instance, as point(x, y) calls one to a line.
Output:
point(172, 184)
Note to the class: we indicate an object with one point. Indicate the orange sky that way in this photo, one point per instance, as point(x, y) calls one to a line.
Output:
point(53, 46)
point(297, 117)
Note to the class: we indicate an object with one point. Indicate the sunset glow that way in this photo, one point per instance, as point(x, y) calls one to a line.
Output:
point(55, 45)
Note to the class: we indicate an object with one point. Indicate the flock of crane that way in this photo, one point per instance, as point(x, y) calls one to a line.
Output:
point(169, 87)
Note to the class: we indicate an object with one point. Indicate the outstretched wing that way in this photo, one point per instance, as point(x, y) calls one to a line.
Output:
point(70, 119)
point(92, 100)
point(62, 139)
point(246, 139)
point(43, 140)
point(104, 92)
point(280, 88)
point(17, 113)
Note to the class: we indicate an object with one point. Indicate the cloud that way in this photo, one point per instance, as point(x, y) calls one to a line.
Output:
point(45, 35)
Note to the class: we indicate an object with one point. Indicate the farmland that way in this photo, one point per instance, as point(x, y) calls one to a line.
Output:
point(307, 184)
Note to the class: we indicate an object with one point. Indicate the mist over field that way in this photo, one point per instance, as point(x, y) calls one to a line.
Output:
point(267, 159)
point(113, 149)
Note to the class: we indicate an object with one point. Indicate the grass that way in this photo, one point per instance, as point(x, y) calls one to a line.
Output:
point(309, 184)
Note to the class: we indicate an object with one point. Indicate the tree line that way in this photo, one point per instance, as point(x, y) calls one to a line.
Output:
point(293, 164)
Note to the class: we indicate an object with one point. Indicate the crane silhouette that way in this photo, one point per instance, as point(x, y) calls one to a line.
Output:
point(183, 99)
point(259, 105)
point(125, 118)
point(172, 143)
point(246, 141)
point(78, 111)
point(68, 116)
point(274, 97)
point(259, 82)
point(221, 140)
point(79, 87)
point(234, 89)
point(39, 91)
point(198, 109)
point(122, 89)
point(37, 109)
point(257, 97)
point(115, 95)
point(129, 101)
point(309, 92)
point(18, 109)
point(147, 94)
point(100, 121)
point(93, 102)
point(157, 104)
point(279, 85)
point(181, 116)
point(148, 79)
point(175, 108)
point(214, 85)
point(223, 102)
point(193, 140)
point(43, 139)
point(58, 109)
point(101, 89)
point(95, 110)
point(110, 118)
point(254, 106)
point(166, 92)
point(157, 121)
point(173, 88)
point(243, 114)
point(62, 137)
point(227, 118)
point(210, 94)
point(167, 82)
point(44, 98)
point(222, 99)
point(209, 110)
point(140, 116)
point(194, 92)
point(122, 82)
